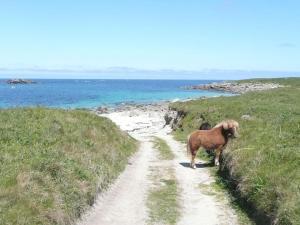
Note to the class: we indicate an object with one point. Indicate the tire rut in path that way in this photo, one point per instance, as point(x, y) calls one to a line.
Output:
point(124, 202)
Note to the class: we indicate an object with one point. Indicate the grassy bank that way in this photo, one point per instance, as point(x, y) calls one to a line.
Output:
point(264, 163)
point(53, 162)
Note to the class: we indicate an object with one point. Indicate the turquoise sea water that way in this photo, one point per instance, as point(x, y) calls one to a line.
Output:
point(95, 93)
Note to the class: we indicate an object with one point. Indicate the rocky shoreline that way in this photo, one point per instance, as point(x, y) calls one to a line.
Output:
point(161, 115)
point(152, 107)
point(236, 88)
point(172, 117)
point(163, 106)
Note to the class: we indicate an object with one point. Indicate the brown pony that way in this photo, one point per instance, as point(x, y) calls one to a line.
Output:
point(215, 138)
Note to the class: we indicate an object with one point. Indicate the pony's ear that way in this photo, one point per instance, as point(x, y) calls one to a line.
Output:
point(236, 124)
point(225, 126)
point(233, 124)
point(235, 133)
point(236, 127)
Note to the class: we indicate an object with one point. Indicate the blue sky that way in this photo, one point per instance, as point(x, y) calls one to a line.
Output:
point(150, 38)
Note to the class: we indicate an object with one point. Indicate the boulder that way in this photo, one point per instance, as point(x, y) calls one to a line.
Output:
point(102, 110)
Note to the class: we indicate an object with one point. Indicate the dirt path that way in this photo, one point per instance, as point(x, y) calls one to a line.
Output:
point(125, 202)
point(197, 207)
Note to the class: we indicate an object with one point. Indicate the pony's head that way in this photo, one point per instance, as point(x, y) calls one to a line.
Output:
point(230, 128)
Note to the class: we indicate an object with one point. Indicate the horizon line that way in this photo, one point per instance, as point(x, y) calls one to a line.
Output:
point(120, 69)
point(129, 73)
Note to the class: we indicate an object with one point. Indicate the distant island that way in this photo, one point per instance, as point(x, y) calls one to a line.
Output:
point(20, 81)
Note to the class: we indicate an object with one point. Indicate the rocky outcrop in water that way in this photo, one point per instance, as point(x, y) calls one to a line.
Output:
point(20, 81)
point(236, 88)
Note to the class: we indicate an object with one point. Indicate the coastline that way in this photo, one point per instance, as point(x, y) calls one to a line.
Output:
point(226, 89)
point(153, 106)
point(72, 94)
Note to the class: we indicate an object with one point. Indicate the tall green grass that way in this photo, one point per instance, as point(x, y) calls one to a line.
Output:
point(53, 162)
point(264, 162)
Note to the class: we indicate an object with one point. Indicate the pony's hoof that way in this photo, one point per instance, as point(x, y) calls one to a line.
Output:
point(217, 163)
point(193, 166)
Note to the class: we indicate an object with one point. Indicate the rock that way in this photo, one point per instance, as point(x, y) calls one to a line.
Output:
point(174, 118)
point(102, 110)
point(20, 81)
point(168, 119)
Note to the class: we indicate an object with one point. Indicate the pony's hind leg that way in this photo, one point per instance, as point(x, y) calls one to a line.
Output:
point(192, 152)
point(217, 156)
point(193, 165)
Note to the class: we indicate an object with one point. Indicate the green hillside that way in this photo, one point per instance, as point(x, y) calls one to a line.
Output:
point(53, 162)
point(263, 164)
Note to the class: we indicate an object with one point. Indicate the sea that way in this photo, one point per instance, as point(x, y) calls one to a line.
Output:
point(81, 93)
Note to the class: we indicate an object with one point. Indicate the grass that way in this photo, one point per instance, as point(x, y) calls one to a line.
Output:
point(53, 162)
point(165, 152)
point(162, 203)
point(162, 199)
point(288, 81)
point(263, 164)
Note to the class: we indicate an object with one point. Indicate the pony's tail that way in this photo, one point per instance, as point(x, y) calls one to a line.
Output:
point(188, 149)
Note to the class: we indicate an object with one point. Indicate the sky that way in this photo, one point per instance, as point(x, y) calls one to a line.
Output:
point(218, 39)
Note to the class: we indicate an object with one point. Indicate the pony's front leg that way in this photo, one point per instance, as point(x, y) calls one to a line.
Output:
point(217, 157)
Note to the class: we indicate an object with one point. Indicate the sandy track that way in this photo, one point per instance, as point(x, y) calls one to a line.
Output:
point(124, 202)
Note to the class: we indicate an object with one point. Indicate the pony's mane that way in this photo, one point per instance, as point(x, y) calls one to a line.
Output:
point(227, 124)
